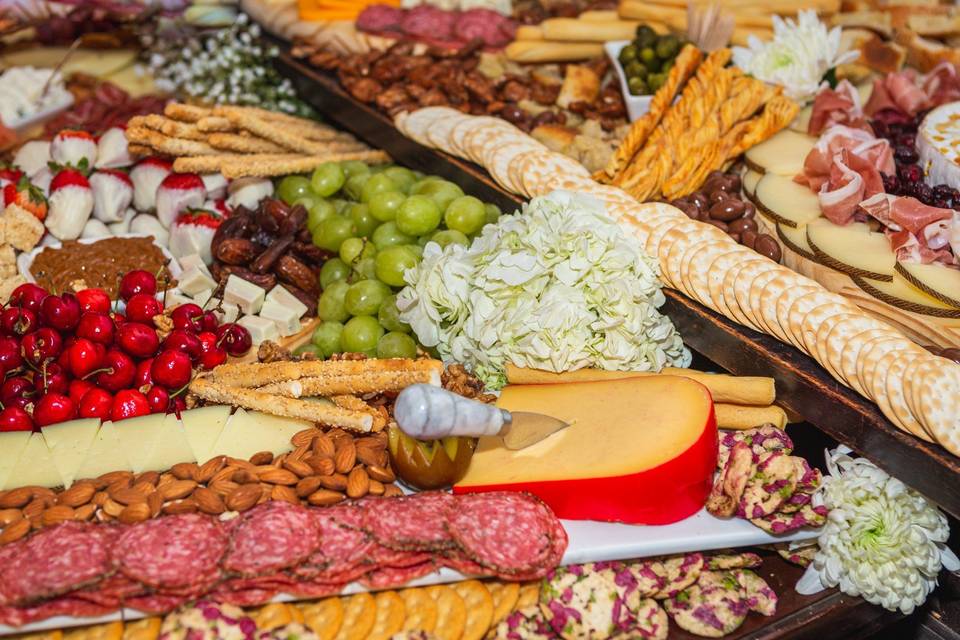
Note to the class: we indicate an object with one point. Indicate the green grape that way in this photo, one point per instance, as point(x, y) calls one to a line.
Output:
point(402, 176)
point(388, 235)
point(493, 212)
point(418, 215)
point(365, 268)
point(292, 188)
point(377, 183)
point(321, 210)
point(389, 316)
point(450, 236)
point(326, 337)
point(423, 240)
point(416, 249)
point(396, 345)
point(363, 220)
point(392, 262)
point(365, 297)
point(333, 270)
point(350, 249)
point(443, 192)
point(307, 202)
point(384, 205)
point(354, 167)
point(466, 214)
point(354, 186)
point(361, 334)
point(330, 306)
point(422, 184)
point(327, 179)
point(309, 348)
point(342, 206)
point(331, 232)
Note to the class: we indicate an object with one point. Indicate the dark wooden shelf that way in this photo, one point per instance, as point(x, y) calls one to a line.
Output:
point(803, 386)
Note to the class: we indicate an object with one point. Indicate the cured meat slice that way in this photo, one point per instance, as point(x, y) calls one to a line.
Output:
point(507, 532)
point(387, 577)
point(346, 575)
point(246, 598)
point(425, 21)
point(412, 522)
point(270, 582)
point(343, 545)
point(56, 560)
point(489, 26)
point(458, 561)
point(111, 592)
point(61, 606)
point(382, 556)
point(155, 603)
point(172, 552)
point(315, 589)
point(379, 18)
point(272, 536)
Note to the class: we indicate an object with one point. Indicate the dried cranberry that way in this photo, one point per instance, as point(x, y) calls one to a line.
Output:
point(923, 192)
point(908, 140)
point(905, 155)
point(891, 184)
point(909, 173)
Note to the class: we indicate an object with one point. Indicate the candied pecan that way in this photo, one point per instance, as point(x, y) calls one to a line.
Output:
point(291, 270)
point(233, 227)
point(425, 76)
point(363, 89)
point(326, 60)
point(548, 117)
point(458, 380)
point(392, 97)
point(402, 48)
point(580, 107)
point(265, 220)
point(515, 115)
point(544, 94)
point(236, 251)
point(480, 87)
point(270, 351)
point(387, 70)
point(433, 98)
point(514, 91)
point(415, 91)
point(294, 220)
point(495, 107)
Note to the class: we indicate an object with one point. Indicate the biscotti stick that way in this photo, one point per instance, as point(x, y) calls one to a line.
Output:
point(351, 384)
point(260, 374)
point(242, 144)
point(285, 165)
point(739, 417)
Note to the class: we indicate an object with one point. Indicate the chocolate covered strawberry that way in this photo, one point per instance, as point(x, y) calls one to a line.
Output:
point(112, 194)
point(71, 203)
point(147, 176)
point(248, 192)
point(112, 149)
point(177, 193)
point(192, 233)
point(33, 156)
point(74, 148)
point(215, 185)
point(146, 224)
point(9, 175)
point(27, 196)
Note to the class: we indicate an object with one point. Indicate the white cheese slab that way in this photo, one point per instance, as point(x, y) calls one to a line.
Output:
point(68, 443)
point(138, 436)
point(202, 427)
point(35, 466)
point(246, 295)
point(286, 318)
point(12, 445)
point(105, 454)
point(171, 447)
point(283, 297)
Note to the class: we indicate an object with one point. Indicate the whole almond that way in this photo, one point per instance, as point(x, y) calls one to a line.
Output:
point(177, 489)
point(225, 487)
point(135, 513)
point(112, 508)
point(209, 501)
point(144, 487)
point(321, 464)
point(376, 488)
point(266, 490)
point(383, 474)
point(287, 494)
point(323, 445)
point(56, 514)
point(304, 437)
point(346, 457)
point(358, 483)
point(279, 460)
point(187, 505)
point(371, 442)
point(392, 491)
point(150, 477)
point(44, 492)
point(245, 476)
point(273, 475)
point(99, 498)
point(79, 494)
point(209, 468)
point(116, 476)
point(299, 467)
point(226, 473)
point(261, 457)
point(335, 482)
point(323, 498)
point(155, 501)
point(337, 433)
point(306, 486)
point(299, 453)
point(16, 498)
point(14, 531)
point(368, 455)
point(243, 497)
point(34, 508)
point(122, 483)
point(126, 496)
point(85, 512)
point(185, 471)
point(242, 464)
point(10, 515)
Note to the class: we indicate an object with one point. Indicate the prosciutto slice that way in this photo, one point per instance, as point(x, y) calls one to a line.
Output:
point(917, 232)
point(837, 106)
point(910, 92)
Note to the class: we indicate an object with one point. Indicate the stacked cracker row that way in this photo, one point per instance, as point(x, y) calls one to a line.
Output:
point(917, 391)
point(241, 142)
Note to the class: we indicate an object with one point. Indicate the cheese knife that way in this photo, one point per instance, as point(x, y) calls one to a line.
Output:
point(429, 412)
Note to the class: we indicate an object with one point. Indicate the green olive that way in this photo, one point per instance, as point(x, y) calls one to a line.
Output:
point(647, 55)
point(635, 69)
point(628, 54)
point(655, 81)
point(667, 66)
point(638, 87)
point(667, 46)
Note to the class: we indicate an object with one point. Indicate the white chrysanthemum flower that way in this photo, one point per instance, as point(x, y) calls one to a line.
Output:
point(797, 57)
point(882, 541)
point(558, 287)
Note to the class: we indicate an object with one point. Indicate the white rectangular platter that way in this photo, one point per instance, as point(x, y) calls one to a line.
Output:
point(589, 542)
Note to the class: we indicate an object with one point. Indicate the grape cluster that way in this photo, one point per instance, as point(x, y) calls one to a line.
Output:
point(377, 220)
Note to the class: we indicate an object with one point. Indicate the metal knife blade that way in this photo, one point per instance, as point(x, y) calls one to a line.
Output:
point(526, 428)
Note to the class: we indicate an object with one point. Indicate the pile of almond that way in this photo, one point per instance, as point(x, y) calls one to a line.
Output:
point(324, 468)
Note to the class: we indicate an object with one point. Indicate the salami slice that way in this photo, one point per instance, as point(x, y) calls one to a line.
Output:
point(172, 552)
point(424, 21)
point(382, 556)
point(271, 582)
point(489, 26)
point(272, 536)
point(62, 606)
point(507, 532)
point(315, 589)
point(415, 522)
point(388, 577)
point(56, 560)
point(247, 598)
point(155, 603)
point(111, 592)
point(342, 544)
point(458, 561)
point(379, 18)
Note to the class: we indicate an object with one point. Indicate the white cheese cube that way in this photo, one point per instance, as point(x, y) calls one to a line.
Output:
point(187, 262)
point(260, 329)
point(224, 311)
point(193, 281)
point(287, 319)
point(281, 295)
point(246, 295)
point(201, 298)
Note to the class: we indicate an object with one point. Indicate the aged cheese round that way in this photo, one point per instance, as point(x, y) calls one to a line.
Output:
point(938, 144)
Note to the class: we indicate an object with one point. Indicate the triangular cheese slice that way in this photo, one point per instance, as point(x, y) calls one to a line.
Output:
point(105, 454)
point(203, 427)
point(68, 443)
point(250, 432)
point(12, 445)
point(172, 447)
point(35, 466)
point(229, 443)
point(138, 436)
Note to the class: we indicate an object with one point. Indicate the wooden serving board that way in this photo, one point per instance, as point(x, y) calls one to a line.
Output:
point(290, 342)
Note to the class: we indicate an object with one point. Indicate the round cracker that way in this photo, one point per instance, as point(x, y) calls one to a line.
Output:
point(769, 294)
point(273, 615)
point(390, 615)
point(451, 612)
point(438, 135)
point(798, 310)
point(498, 162)
point(889, 365)
point(505, 595)
point(674, 244)
point(568, 182)
point(783, 303)
point(913, 387)
point(483, 135)
point(518, 166)
point(655, 233)
point(148, 629)
point(324, 617)
point(811, 322)
point(417, 124)
point(695, 268)
point(359, 614)
point(834, 334)
point(850, 352)
point(728, 291)
point(899, 375)
point(716, 273)
point(529, 595)
point(743, 287)
point(752, 308)
point(939, 402)
point(479, 608)
point(106, 631)
point(421, 610)
point(457, 133)
point(869, 358)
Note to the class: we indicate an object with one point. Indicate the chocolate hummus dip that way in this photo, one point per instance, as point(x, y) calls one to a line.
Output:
point(98, 264)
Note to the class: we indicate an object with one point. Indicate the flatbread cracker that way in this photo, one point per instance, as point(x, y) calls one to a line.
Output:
point(324, 617)
point(391, 613)
point(479, 608)
point(451, 612)
point(359, 615)
point(505, 595)
point(421, 610)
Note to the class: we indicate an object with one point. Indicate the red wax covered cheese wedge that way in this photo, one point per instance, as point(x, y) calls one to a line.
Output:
point(639, 450)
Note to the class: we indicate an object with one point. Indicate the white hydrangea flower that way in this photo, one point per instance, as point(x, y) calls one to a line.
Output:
point(558, 287)
point(882, 541)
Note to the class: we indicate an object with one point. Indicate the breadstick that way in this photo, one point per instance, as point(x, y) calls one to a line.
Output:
point(139, 150)
point(212, 124)
point(271, 131)
point(353, 403)
point(185, 112)
point(199, 164)
point(350, 384)
point(168, 145)
point(284, 165)
point(168, 127)
point(542, 51)
point(243, 144)
point(734, 416)
point(266, 373)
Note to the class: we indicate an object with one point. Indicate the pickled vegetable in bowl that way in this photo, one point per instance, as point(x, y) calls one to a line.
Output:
point(429, 464)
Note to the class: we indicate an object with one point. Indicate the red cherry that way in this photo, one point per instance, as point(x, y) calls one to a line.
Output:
point(77, 389)
point(15, 387)
point(51, 379)
point(159, 399)
point(94, 300)
point(53, 408)
point(138, 281)
point(234, 338)
point(10, 357)
point(29, 296)
point(188, 317)
point(209, 321)
point(180, 340)
point(18, 321)
point(142, 307)
point(137, 339)
point(96, 326)
point(177, 405)
point(171, 369)
point(85, 357)
point(60, 312)
point(211, 355)
point(129, 403)
point(118, 318)
point(118, 373)
point(96, 403)
point(41, 346)
point(142, 377)
point(15, 419)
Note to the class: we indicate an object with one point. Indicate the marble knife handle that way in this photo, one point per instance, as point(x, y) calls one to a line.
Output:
point(429, 412)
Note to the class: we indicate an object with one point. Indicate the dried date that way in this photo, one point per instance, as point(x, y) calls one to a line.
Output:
point(310, 253)
point(308, 299)
point(294, 220)
point(265, 261)
point(292, 271)
point(266, 221)
point(236, 251)
point(233, 227)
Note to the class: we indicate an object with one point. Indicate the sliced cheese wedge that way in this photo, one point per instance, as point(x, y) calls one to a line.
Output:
point(138, 436)
point(853, 249)
point(801, 123)
point(786, 202)
point(68, 443)
point(749, 182)
point(12, 445)
point(203, 427)
point(795, 239)
point(250, 432)
point(35, 466)
point(106, 454)
point(639, 450)
point(938, 281)
point(903, 295)
point(171, 448)
point(782, 154)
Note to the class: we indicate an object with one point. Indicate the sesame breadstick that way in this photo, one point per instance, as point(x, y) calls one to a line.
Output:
point(185, 112)
point(168, 127)
point(284, 165)
point(212, 124)
point(199, 164)
point(351, 384)
point(260, 374)
point(243, 144)
point(168, 145)
point(280, 133)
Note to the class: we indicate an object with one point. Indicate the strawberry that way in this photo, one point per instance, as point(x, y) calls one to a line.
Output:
point(112, 194)
point(75, 148)
point(112, 149)
point(201, 217)
point(192, 233)
point(9, 175)
point(178, 192)
point(71, 203)
point(147, 176)
point(26, 196)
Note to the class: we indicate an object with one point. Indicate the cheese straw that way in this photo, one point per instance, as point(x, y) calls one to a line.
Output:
point(734, 416)
point(268, 373)
point(351, 384)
